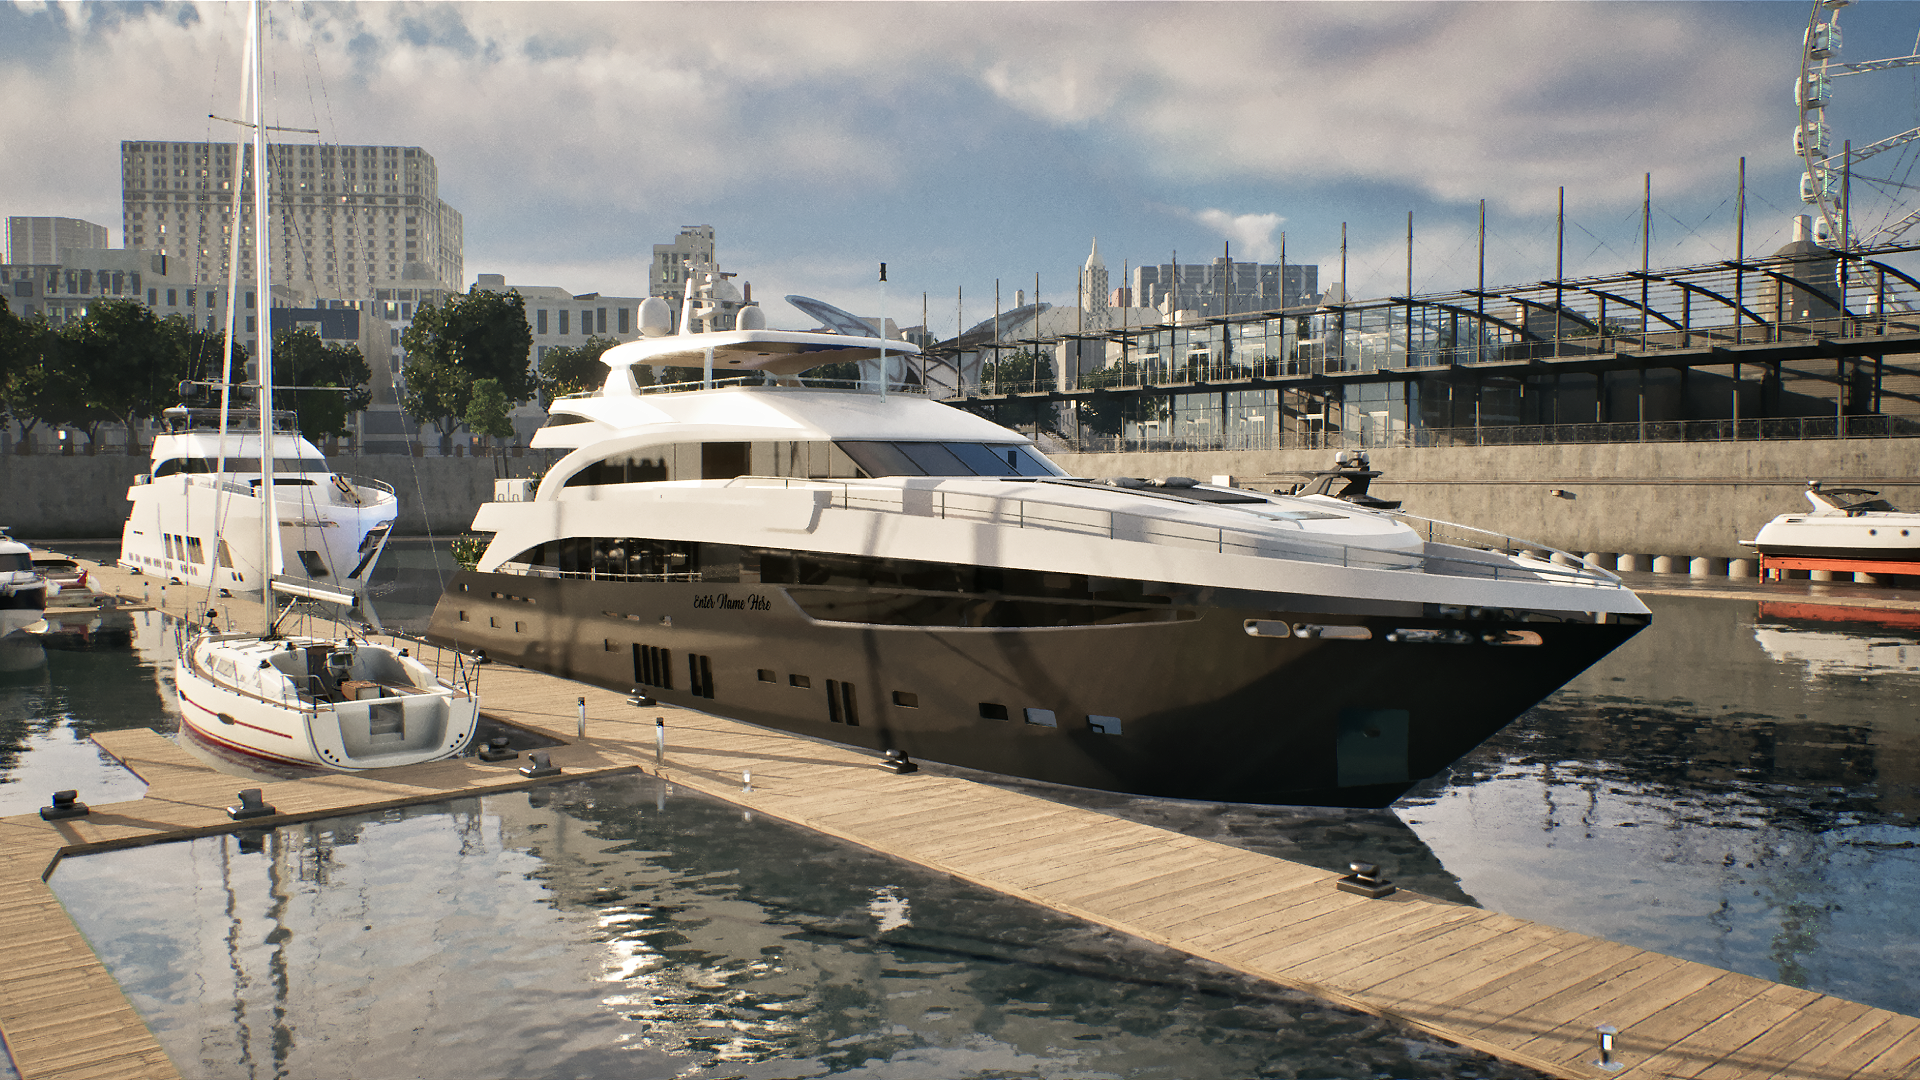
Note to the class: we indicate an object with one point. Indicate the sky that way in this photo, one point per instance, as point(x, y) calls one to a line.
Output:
point(968, 143)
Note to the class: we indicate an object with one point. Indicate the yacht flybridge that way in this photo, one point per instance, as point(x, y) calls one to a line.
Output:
point(872, 567)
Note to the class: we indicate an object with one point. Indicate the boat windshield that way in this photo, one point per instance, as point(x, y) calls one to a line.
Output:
point(239, 465)
point(13, 563)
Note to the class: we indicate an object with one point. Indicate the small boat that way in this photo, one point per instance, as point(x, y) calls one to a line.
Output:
point(23, 588)
point(1845, 524)
point(864, 565)
point(337, 701)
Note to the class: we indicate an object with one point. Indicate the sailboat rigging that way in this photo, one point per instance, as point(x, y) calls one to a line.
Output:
point(342, 702)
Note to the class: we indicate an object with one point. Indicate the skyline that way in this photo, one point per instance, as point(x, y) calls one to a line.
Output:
point(963, 143)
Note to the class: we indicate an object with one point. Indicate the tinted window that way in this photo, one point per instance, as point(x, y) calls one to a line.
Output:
point(934, 459)
point(984, 460)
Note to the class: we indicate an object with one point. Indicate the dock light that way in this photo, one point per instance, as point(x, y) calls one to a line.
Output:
point(1607, 1032)
point(496, 750)
point(479, 656)
point(583, 717)
point(659, 739)
point(1365, 880)
point(639, 700)
point(251, 806)
point(899, 763)
point(746, 779)
point(66, 804)
point(539, 763)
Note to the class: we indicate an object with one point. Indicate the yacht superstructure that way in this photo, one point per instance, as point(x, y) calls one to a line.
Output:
point(879, 569)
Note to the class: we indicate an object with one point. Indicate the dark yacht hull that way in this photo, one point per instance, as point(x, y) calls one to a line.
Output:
point(1191, 708)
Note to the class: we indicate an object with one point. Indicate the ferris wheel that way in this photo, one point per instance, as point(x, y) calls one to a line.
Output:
point(1867, 192)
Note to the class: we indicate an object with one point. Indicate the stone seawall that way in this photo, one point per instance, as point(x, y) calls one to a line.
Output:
point(51, 497)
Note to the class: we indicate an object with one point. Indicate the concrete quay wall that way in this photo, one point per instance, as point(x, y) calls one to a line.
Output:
point(55, 497)
point(1682, 500)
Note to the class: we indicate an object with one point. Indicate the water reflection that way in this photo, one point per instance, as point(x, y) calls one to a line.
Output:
point(602, 935)
point(1735, 789)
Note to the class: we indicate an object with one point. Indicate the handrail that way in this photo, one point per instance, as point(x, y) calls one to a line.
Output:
point(1042, 514)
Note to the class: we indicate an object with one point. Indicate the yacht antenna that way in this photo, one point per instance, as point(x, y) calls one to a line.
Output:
point(883, 331)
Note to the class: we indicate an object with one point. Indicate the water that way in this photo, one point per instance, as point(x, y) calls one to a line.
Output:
point(1733, 786)
point(616, 928)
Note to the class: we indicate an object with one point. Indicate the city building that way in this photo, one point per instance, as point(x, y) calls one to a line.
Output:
point(667, 276)
point(39, 240)
point(1212, 288)
point(349, 220)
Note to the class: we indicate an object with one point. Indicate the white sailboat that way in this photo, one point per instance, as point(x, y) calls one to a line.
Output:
point(341, 702)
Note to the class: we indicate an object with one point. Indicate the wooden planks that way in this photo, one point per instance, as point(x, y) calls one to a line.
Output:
point(1529, 993)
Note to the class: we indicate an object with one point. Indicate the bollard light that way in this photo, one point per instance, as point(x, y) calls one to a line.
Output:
point(899, 763)
point(66, 804)
point(251, 806)
point(659, 739)
point(583, 717)
point(1365, 880)
point(539, 763)
point(496, 750)
point(746, 779)
point(1606, 1060)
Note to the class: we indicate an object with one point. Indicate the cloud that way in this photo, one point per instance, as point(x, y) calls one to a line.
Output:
point(1252, 234)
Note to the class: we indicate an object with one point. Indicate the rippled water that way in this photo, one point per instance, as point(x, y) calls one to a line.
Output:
point(609, 928)
point(1738, 785)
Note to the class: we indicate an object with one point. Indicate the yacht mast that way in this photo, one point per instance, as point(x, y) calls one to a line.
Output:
point(269, 514)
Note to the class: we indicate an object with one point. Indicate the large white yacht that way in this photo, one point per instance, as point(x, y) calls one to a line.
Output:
point(875, 568)
point(201, 483)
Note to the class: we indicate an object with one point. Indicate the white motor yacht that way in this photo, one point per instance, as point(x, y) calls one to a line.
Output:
point(1845, 523)
point(875, 568)
point(332, 527)
point(23, 588)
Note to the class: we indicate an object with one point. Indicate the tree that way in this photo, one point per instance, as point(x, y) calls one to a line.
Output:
point(1023, 372)
point(301, 358)
point(577, 369)
point(475, 335)
point(488, 412)
point(1107, 414)
point(127, 362)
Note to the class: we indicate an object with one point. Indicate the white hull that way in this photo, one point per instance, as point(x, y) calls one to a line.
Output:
point(255, 695)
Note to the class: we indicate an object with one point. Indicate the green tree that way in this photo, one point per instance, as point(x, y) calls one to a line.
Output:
point(301, 358)
point(488, 411)
point(1108, 414)
point(475, 335)
point(1023, 372)
point(127, 362)
point(577, 369)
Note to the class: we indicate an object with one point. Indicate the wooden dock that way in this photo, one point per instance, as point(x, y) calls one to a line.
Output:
point(1528, 993)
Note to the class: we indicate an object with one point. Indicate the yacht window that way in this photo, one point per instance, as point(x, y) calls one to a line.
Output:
point(641, 468)
point(723, 460)
point(15, 564)
point(563, 419)
point(934, 459)
point(238, 465)
point(948, 459)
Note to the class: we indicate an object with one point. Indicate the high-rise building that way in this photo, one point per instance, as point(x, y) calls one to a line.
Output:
point(1093, 291)
point(350, 222)
point(667, 278)
point(1212, 289)
point(39, 240)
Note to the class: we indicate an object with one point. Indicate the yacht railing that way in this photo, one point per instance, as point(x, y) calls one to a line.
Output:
point(760, 381)
point(1450, 549)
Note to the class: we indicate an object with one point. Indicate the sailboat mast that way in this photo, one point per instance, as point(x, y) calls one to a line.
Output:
point(263, 321)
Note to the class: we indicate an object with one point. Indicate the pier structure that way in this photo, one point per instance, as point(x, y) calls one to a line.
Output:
point(1523, 991)
point(1806, 343)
